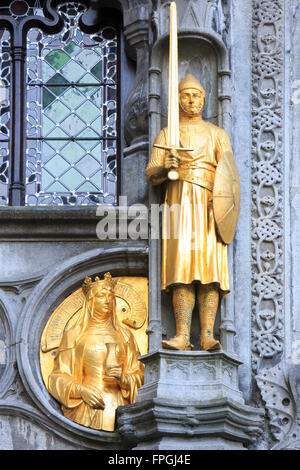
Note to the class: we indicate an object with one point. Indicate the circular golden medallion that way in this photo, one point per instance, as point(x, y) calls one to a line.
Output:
point(132, 310)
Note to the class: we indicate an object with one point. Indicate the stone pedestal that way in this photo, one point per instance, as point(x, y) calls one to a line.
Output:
point(190, 400)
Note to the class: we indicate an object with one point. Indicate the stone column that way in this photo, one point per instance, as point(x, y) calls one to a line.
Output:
point(135, 155)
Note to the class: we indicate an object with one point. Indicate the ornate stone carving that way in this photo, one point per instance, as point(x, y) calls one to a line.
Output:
point(189, 375)
point(204, 371)
point(136, 16)
point(180, 369)
point(267, 185)
point(136, 110)
point(17, 393)
point(152, 374)
point(201, 14)
point(191, 399)
point(229, 374)
point(279, 387)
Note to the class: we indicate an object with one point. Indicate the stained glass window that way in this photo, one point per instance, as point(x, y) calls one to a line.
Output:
point(20, 8)
point(71, 114)
point(5, 72)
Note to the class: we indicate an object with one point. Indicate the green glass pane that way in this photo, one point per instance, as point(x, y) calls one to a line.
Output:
point(56, 166)
point(59, 80)
point(57, 133)
point(72, 49)
point(57, 144)
point(97, 125)
point(46, 179)
point(97, 152)
point(88, 111)
point(57, 111)
point(96, 98)
point(47, 71)
point(57, 58)
point(88, 133)
point(73, 125)
point(72, 179)
point(88, 187)
point(56, 188)
point(88, 58)
point(73, 152)
point(48, 98)
point(47, 125)
point(72, 98)
point(96, 179)
point(97, 71)
point(88, 144)
point(88, 78)
point(72, 71)
point(87, 165)
point(47, 152)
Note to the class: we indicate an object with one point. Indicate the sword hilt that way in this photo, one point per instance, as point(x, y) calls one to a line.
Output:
point(173, 174)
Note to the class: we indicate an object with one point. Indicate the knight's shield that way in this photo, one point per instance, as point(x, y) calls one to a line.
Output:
point(226, 197)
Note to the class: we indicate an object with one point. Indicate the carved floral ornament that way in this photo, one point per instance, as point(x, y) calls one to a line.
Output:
point(279, 388)
point(267, 184)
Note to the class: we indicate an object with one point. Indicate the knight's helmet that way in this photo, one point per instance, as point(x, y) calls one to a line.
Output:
point(189, 81)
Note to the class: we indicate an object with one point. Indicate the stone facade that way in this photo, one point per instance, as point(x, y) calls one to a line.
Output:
point(246, 56)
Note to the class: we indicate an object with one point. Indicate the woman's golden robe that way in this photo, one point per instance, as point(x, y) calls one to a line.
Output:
point(191, 248)
point(83, 363)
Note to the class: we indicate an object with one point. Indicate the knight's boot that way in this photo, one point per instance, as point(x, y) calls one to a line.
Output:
point(208, 301)
point(183, 304)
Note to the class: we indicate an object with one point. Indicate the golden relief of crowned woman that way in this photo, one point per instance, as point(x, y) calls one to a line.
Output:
point(96, 368)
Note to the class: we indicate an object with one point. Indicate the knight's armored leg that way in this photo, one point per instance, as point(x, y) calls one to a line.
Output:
point(208, 301)
point(183, 303)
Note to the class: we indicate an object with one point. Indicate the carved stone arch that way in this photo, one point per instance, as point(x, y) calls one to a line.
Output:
point(8, 320)
point(195, 39)
point(46, 296)
point(214, 16)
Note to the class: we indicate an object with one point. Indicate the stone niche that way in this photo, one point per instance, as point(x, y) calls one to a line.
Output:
point(204, 55)
point(198, 57)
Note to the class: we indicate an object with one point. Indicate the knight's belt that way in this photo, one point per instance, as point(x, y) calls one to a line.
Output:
point(203, 174)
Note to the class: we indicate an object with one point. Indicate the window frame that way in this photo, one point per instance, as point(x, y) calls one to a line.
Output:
point(90, 22)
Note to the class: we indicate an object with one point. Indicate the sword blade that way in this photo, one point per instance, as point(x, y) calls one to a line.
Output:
point(173, 111)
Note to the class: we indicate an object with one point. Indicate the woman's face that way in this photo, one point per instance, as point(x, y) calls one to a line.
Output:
point(103, 302)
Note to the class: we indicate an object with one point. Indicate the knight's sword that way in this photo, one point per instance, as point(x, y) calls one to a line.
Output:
point(173, 142)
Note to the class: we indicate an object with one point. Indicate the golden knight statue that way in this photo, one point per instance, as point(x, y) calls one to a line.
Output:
point(195, 158)
point(96, 367)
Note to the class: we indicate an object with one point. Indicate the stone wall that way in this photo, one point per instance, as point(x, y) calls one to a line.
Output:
point(245, 52)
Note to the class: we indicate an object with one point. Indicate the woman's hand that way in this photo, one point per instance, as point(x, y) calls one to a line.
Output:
point(92, 397)
point(114, 372)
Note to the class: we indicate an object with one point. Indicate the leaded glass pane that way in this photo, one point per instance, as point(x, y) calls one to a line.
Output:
point(5, 71)
point(71, 173)
point(71, 115)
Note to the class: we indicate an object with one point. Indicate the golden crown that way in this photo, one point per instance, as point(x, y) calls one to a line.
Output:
point(88, 283)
